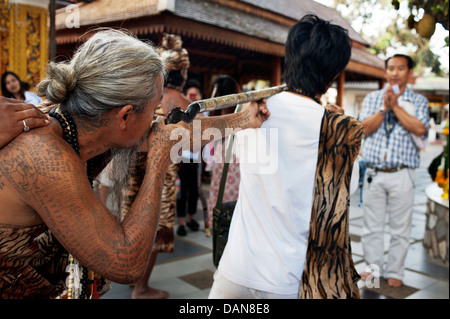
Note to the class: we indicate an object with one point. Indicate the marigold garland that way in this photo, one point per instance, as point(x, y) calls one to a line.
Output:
point(442, 174)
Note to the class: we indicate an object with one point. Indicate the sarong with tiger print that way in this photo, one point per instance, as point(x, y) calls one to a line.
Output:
point(32, 263)
point(164, 241)
point(329, 271)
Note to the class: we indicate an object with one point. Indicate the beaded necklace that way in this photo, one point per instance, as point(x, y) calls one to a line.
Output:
point(70, 136)
point(68, 126)
point(302, 92)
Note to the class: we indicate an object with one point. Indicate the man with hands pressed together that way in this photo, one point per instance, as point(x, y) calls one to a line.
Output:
point(391, 117)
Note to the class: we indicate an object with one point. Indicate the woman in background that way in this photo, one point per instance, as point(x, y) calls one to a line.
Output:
point(223, 85)
point(14, 88)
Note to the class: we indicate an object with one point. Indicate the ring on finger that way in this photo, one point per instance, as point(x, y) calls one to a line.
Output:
point(25, 126)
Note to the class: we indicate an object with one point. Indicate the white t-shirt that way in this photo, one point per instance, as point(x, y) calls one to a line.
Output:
point(267, 243)
point(32, 98)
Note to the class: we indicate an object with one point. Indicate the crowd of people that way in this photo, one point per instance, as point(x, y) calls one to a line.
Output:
point(88, 180)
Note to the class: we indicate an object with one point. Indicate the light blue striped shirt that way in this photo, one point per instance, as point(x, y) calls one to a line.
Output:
point(384, 149)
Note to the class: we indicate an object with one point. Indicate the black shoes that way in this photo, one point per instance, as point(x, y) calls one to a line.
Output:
point(181, 231)
point(192, 225)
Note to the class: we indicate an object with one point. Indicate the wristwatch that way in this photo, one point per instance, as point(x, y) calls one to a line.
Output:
point(382, 111)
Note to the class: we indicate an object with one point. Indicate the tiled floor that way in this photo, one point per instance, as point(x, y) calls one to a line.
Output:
point(187, 273)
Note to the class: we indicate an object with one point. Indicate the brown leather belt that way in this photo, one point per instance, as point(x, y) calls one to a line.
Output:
point(387, 170)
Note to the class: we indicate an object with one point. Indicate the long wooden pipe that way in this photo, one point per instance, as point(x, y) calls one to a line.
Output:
point(221, 102)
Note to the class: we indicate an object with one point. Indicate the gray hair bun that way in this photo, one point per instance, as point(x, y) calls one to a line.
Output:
point(111, 69)
point(61, 80)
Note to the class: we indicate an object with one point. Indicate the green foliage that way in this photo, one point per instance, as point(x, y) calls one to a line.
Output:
point(437, 8)
point(400, 33)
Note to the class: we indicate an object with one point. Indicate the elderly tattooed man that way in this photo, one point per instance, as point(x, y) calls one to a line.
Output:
point(51, 222)
point(125, 187)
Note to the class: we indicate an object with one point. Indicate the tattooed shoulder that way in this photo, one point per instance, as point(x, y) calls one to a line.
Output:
point(32, 162)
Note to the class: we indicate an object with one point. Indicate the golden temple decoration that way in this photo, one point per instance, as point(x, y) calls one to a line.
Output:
point(4, 31)
point(23, 40)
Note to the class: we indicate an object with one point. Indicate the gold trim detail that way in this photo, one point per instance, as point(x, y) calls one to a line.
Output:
point(24, 41)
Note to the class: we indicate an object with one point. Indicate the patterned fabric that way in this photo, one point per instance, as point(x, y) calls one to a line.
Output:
point(32, 263)
point(231, 192)
point(164, 241)
point(171, 51)
point(397, 145)
point(329, 271)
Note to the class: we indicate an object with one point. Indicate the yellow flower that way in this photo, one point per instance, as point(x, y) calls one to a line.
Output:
point(439, 179)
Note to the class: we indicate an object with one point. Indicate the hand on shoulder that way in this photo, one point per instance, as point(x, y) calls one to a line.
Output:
point(335, 108)
point(18, 117)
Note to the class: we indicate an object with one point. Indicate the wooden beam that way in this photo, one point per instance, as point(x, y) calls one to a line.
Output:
point(210, 54)
point(340, 89)
point(255, 10)
point(275, 75)
point(365, 69)
point(197, 30)
point(52, 32)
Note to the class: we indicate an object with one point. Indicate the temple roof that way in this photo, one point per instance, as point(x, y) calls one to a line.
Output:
point(101, 11)
point(259, 26)
point(296, 9)
point(271, 22)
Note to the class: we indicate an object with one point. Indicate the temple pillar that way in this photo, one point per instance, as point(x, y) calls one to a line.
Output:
point(24, 38)
point(275, 76)
point(340, 89)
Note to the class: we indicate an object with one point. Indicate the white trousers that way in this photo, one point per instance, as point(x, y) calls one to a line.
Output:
point(392, 194)
point(222, 288)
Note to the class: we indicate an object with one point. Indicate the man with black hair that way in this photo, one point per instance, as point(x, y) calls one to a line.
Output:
point(392, 118)
point(289, 233)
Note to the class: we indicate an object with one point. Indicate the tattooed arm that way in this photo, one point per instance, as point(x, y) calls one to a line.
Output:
point(203, 130)
point(48, 177)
